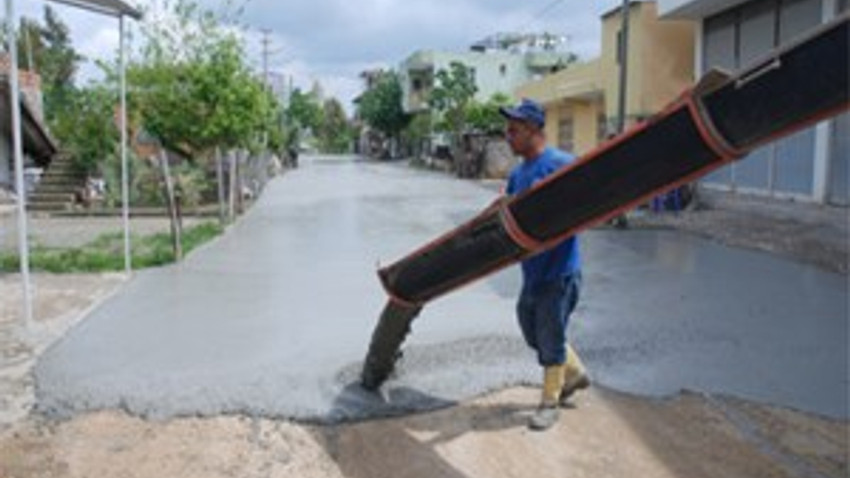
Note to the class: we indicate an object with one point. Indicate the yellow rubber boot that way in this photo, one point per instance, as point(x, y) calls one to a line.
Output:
point(575, 376)
point(547, 413)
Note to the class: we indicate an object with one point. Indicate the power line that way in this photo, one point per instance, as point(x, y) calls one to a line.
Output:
point(543, 11)
point(267, 52)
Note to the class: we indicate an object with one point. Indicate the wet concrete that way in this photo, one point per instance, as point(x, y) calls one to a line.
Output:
point(274, 318)
point(665, 311)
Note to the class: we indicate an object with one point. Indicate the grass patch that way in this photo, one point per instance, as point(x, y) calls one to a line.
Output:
point(106, 253)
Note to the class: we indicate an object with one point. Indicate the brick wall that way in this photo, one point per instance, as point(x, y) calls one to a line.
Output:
point(30, 84)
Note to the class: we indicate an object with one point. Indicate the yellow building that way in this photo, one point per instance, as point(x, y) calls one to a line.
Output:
point(581, 101)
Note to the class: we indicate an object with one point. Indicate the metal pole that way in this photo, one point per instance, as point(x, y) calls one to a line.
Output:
point(17, 144)
point(624, 66)
point(125, 194)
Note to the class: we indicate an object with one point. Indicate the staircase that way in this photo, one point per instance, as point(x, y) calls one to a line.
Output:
point(56, 190)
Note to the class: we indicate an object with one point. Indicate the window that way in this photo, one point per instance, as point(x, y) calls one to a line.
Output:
point(565, 134)
point(503, 69)
point(601, 128)
point(417, 84)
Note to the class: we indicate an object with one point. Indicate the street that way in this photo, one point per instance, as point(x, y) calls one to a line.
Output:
point(274, 318)
point(242, 361)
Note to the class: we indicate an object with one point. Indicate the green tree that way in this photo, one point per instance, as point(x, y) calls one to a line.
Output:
point(59, 61)
point(381, 108)
point(335, 131)
point(485, 117)
point(453, 91)
point(417, 133)
point(305, 109)
point(47, 50)
point(87, 127)
point(192, 88)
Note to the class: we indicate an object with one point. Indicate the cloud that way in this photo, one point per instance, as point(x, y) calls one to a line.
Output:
point(336, 39)
point(332, 41)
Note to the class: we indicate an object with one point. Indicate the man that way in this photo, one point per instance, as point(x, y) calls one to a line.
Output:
point(551, 279)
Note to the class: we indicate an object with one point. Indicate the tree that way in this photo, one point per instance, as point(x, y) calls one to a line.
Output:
point(454, 90)
point(58, 63)
point(417, 133)
point(381, 108)
point(335, 131)
point(485, 117)
point(192, 88)
point(87, 127)
point(305, 109)
point(47, 50)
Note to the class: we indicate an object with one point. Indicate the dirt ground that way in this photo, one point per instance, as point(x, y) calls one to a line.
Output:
point(605, 434)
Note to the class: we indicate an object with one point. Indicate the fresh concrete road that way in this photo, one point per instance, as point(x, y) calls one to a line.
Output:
point(274, 318)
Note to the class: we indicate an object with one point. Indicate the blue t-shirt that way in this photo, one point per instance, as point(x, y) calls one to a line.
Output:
point(563, 259)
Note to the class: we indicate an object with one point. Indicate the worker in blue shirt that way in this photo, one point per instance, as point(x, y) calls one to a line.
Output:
point(551, 279)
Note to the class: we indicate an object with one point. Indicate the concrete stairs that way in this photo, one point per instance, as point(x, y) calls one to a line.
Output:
point(57, 188)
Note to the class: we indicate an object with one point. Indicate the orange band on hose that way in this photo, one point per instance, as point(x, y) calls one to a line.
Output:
point(398, 300)
point(520, 237)
point(709, 132)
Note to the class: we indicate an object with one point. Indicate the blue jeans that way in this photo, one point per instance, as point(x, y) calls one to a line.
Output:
point(544, 314)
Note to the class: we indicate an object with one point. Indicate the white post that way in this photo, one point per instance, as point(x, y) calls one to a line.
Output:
point(17, 146)
point(823, 133)
point(125, 188)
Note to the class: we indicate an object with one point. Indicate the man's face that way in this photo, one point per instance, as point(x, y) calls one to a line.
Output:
point(520, 136)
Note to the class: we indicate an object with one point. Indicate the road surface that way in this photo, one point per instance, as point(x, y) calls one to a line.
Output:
point(274, 318)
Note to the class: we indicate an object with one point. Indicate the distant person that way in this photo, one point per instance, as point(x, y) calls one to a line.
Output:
point(550, 280)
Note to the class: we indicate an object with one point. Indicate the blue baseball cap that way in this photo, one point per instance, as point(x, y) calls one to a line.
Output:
point(528, 110)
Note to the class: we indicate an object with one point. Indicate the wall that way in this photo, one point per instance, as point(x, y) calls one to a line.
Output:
point(660, 60)
point(6, 178)
point(668, 59)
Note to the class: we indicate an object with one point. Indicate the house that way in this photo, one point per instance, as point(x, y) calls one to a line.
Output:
point(496, 69)
point(39, 149)
point(811, 165)
point(582, 101)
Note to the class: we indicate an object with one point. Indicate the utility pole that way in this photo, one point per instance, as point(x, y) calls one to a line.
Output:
point(266, 41)
point(624, 66)
point(267, 53)
point(622, 221)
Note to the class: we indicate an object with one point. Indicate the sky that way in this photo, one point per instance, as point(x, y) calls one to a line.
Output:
point(332, 41)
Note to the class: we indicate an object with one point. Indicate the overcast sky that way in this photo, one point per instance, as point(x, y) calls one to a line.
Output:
point(332, 41)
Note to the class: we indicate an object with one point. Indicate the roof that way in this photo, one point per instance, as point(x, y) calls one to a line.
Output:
point(115, 8)
point(37, 142)
point(695, 9)
point(617, 9)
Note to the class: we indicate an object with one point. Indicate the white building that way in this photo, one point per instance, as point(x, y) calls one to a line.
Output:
point(813, 164)
point(495, 71)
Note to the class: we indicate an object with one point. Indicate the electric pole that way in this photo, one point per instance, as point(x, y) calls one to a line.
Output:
point(266, 41)
point(624, 65)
